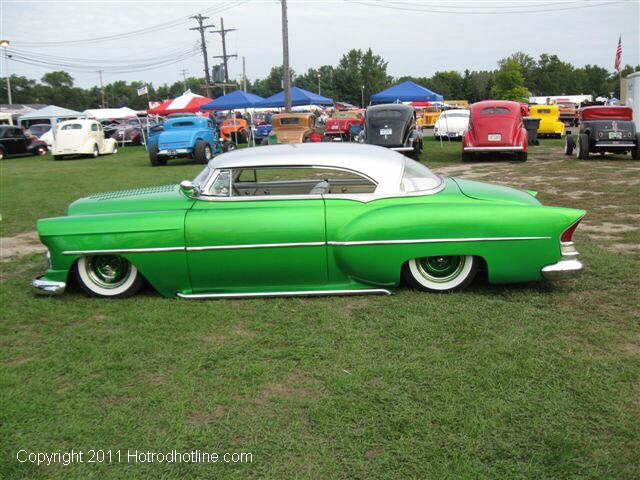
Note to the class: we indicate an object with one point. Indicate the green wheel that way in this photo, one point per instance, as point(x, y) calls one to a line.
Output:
point(108, 276)
point(445, 273)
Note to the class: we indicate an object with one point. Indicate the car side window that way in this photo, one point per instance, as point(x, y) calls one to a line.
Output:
point(291, 180)
point(94, 127)
point(17, 133)
point(221, 185)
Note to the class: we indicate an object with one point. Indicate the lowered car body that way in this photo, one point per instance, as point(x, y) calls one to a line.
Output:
point(306, 219)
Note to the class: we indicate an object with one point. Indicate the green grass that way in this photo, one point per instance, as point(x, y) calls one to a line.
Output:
point(523, 381)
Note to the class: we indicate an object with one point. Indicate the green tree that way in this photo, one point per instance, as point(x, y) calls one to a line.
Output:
point(360, 74)
point(509, 83)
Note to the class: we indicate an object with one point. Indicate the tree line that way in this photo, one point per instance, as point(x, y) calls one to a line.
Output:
point(358, 75)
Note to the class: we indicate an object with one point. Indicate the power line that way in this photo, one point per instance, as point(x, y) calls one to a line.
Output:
point(119, 36)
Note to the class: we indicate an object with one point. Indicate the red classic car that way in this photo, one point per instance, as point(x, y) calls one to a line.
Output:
point(339, 124)
point(495, 126)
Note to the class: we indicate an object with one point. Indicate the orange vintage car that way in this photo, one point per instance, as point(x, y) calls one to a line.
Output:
point(293, 127)
point(235, 130)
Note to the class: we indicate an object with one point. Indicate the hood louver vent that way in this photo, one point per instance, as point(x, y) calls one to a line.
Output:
point(133, 192)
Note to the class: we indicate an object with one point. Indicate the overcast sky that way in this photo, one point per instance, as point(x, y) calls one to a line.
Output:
point(413, 38)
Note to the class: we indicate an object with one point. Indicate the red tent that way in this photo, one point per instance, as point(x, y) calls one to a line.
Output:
point(186, 103)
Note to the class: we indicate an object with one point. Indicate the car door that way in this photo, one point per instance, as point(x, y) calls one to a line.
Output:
point(252, 234)
point(9, 141)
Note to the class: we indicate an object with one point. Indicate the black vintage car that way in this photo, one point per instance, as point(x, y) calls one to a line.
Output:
point(14, 143)
point(393, 126)
point(604, 129)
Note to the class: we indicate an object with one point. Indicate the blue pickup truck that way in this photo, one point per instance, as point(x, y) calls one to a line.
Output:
point(194, 137)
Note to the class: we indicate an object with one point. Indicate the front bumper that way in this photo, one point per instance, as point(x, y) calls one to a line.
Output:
point(567, 266)
point(47, 287)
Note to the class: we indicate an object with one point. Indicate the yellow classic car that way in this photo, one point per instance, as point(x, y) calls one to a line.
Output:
point(426, 117)
point(550, 124)
point(293, 127)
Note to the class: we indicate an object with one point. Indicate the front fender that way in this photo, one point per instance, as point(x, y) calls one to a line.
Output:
point(133, 236)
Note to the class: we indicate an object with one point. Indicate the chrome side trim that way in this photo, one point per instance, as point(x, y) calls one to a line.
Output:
point(47, 287)
point(433, 240)
point(513, 148)
point(256, 245)
point(122, 250)
point(298, 293)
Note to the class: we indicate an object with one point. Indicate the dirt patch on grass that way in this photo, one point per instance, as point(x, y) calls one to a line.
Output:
point(296, 386)
point(20, 245)
point(607, 227)
point(203, 418)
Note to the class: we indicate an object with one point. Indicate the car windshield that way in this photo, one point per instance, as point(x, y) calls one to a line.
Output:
point(201, 178)
point(543, 110)
point(290, 121)
point(416, 177)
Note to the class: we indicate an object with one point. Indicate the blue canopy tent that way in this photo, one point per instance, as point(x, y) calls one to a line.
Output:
point(406, 92)
point(299, 96)
point(234, 100)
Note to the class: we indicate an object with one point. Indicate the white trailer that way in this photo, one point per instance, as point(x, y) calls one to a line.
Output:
point(633, 97)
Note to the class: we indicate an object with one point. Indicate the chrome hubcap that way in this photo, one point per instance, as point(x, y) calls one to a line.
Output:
point(108, 271)
point(440, 269)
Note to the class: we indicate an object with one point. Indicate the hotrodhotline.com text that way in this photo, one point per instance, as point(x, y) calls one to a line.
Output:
point(130, 456)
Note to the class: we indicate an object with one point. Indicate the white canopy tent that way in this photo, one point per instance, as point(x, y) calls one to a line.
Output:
point(50, 114)
point(110, 113)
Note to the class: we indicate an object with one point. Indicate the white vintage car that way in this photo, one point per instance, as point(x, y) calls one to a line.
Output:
point(451, 124)
point(81, 137)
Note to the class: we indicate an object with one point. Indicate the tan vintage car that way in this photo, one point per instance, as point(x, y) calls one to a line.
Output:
point(293, 127)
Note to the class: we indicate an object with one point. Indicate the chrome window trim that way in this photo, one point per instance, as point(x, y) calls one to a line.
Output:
point(209, 183)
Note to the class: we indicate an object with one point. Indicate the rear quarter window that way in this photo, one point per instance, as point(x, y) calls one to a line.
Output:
point(183, 124)
point(495, 111)
point(71, 126)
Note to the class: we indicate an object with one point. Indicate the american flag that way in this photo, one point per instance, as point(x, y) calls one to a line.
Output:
point(616, 63)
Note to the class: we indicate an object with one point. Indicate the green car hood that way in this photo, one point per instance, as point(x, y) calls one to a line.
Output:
point(494, 193)
point(164, 197)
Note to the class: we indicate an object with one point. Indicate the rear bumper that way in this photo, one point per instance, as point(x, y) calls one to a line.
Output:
point(508, 148)
point(567, 266)
point(47, 287)
point(176, 151)
point(615, 144)
point(402, 149)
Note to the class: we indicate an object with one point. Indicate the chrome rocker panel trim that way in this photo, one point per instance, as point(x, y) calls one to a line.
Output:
point(514, 148)
point(47, 287)
point(300, 293)
point(567, 266)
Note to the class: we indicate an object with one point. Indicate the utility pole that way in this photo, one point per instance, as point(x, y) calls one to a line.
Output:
point(225, 58)
point(102, 105)
point(244, 76)
point(286, 72)
point(184, 72)
point(4, 44)
point(203, 46)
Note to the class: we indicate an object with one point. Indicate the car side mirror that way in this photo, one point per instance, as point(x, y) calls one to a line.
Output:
point(189, 189)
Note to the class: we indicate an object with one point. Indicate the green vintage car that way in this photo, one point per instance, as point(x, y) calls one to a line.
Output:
point(307, 219)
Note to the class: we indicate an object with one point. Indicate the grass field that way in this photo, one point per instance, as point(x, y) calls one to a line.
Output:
point(524, 381)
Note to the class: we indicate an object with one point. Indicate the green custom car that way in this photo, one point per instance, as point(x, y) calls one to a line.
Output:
point(307, 219)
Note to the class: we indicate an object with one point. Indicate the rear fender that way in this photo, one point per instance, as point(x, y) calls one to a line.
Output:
point(518, 259)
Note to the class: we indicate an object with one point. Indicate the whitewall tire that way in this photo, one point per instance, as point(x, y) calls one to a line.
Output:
point(440, 273)
point(108, 276)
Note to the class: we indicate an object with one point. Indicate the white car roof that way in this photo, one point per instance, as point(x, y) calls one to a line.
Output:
point(382, 165)
point(78, 120)
point(457, 110)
